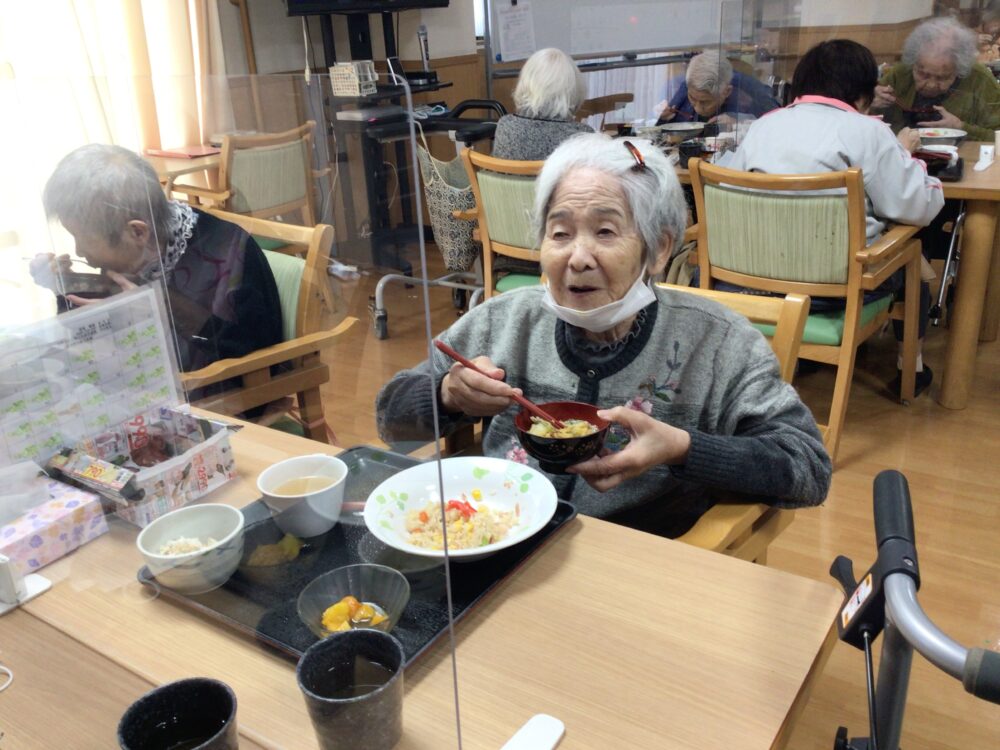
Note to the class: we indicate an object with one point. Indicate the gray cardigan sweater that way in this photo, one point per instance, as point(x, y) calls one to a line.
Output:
point(527, 139)
point(693, 364)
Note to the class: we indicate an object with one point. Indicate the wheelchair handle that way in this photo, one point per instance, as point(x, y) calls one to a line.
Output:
point(893, 512)
point(978, 669)
point(467, 104)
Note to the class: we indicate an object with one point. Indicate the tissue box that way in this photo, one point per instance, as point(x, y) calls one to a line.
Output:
point(44, 534)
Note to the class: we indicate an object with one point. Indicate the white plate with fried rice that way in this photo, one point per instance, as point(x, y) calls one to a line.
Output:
point(490, 504)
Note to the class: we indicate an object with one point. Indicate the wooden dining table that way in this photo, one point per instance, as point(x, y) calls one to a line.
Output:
point(975, 315)
point(630, 639)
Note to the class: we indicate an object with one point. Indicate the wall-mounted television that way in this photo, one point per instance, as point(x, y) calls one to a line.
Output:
point(316, 7)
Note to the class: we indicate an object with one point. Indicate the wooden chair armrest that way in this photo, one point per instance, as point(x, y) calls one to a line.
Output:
point(722, 524)
point(889, 245)
point(690, 234)
point(224, 369)
point(468, 214)
point(199, 192)
point(317, 173)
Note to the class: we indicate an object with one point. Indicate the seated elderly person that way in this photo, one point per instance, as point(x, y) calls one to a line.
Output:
point(711, 91)
point(988, 33)
point(550, 90)
point(825, 130)
point(940, 84)
point(694, 390)
point(221, 294)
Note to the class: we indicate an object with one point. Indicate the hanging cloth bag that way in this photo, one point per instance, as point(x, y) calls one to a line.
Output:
point(447, 188)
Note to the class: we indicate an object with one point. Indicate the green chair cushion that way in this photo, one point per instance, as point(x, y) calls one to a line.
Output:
point(287, 271)
point(289, 425)
point(267, 243)
point(517, 280)
point(827, 329)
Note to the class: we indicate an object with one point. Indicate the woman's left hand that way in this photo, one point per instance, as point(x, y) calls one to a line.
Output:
point(653, 443)
point(116, 277)
point(948, 120)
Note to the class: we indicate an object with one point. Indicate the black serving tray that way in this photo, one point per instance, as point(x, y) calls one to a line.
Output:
point(261, 602)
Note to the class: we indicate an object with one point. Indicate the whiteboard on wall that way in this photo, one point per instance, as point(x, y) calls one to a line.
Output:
point(605, 27)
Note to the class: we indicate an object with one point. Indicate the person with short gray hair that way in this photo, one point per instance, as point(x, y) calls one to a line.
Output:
point(939, 84)
point(221, 294)
point(549, 91)
point(698, 407)
point(712, 91)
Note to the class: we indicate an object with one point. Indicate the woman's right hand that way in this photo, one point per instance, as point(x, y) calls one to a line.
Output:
point(466, 391)
point(666, 112)
point(910, 139)
point(885, 97)
point(45, 269)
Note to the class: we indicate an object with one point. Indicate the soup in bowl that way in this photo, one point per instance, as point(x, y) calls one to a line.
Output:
point(582, 437)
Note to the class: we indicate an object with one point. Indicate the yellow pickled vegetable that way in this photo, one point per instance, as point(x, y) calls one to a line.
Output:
point(349, 612)
point(336, 616)
point(285, 550)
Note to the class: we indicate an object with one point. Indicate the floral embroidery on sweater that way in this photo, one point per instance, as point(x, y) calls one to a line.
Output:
point(669, 387)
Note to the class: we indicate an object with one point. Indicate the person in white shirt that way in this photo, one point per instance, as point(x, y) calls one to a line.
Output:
point(826, 128)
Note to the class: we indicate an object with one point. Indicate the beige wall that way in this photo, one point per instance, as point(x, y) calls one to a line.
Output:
point(856, 13)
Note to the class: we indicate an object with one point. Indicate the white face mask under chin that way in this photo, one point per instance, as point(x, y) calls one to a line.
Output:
point(605, 317)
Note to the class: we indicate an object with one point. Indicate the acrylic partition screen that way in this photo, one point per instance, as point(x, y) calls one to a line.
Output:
point(180, 313)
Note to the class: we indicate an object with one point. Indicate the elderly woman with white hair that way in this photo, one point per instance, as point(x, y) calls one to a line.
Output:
point(549, 91)
point(222, 296)
point(940, 84)
point(698, 406)
point(712, 91)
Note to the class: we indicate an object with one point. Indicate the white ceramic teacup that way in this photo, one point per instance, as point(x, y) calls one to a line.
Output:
point(307, 513)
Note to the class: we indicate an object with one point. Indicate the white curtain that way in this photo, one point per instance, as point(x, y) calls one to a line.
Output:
point(128, 72)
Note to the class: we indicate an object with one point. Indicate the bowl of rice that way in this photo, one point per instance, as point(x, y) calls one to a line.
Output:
point(582, 436)
point(194, 549)
point(489, 504)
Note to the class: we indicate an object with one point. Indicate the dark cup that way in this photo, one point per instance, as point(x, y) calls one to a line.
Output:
point(688, 149)
point(194, 714)
point(353, 686)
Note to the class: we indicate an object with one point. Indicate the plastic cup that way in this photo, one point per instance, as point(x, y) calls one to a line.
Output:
point(193, 714)
point(353, 687)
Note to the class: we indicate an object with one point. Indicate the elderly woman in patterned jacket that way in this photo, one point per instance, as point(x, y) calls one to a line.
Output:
point(222, 297)
point(698, 406)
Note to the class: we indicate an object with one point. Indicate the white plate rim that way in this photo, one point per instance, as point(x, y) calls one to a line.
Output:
point(547, 509)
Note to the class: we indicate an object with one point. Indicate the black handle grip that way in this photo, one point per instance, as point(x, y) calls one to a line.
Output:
point(893, 514)
point(478, 104)
point(843, 570)
point(981, 675)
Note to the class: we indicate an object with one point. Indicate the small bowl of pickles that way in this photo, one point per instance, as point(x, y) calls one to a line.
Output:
point(352, 597)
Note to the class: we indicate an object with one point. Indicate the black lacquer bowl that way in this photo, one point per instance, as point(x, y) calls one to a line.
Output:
point(555, 454)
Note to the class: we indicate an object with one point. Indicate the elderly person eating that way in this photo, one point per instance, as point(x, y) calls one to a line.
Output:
point(940, 84)
point(825, 129)
point(711, 91)
point(700, 410)
point(550, 90)
point(222, 297)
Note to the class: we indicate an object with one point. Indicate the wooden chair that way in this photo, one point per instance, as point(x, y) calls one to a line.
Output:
point(504, 190)
point(805, 234)
point(745, 530)
point(264, 175)
point(303, 286)
point(601, 105)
